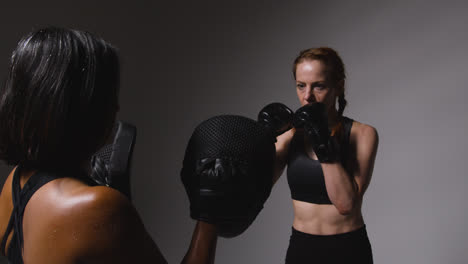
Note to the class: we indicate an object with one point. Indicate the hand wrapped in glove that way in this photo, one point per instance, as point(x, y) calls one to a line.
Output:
point(313, 119)
point(277, 118)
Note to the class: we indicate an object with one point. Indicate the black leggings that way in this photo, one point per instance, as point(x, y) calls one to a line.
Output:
point(351, 247)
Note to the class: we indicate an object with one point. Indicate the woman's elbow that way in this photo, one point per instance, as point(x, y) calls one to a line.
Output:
point(348, 203)
point(345, 208)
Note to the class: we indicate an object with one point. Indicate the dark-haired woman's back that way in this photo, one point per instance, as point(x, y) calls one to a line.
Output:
point(67, 221)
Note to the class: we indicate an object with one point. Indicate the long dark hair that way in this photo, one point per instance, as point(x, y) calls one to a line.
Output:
point(59, 100)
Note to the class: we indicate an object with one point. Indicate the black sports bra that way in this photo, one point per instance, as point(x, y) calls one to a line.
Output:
point(21, 197)
point(305, 175)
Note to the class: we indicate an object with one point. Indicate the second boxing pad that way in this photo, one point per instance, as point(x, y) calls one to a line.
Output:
point(227, 172)
point(110, 165)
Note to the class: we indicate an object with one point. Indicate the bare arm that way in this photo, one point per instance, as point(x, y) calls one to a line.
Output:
point(282, 149)
point(346, 190)
point(203, 246)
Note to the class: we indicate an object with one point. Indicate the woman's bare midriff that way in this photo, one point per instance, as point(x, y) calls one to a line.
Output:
point(324, 219)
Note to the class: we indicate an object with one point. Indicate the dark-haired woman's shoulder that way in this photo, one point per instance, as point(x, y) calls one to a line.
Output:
point(89, 225)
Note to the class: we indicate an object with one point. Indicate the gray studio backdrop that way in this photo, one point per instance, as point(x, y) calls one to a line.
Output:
point(184, 62)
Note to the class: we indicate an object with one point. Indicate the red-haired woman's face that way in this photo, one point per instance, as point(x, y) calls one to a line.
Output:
point(311, 84)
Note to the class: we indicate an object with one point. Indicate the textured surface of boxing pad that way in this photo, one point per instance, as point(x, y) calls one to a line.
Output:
point(227, 172)
point(111, 165)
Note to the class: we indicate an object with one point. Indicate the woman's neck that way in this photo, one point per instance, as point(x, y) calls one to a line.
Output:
point(333, 117)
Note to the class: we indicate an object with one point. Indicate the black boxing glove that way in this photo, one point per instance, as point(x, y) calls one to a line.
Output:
point(110, 165)
point(276, 117)
point(314, 120)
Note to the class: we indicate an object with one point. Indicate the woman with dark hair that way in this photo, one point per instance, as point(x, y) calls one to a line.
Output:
point(57, 108)
point(330, 160)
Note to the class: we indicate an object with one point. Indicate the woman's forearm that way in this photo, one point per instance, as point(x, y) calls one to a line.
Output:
point(342, 189)
point(203, 245)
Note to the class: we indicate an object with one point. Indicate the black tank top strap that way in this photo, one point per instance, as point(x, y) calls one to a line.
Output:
point(20, 200)
point(347, 124)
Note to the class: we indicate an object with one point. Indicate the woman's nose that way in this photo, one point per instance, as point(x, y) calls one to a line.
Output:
point(309, 95)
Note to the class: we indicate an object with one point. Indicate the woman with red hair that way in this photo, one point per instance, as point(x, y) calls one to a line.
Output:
point(329, 159)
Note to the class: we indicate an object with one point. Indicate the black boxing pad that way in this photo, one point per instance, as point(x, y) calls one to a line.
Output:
point(227, 172)
point(110, 165)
